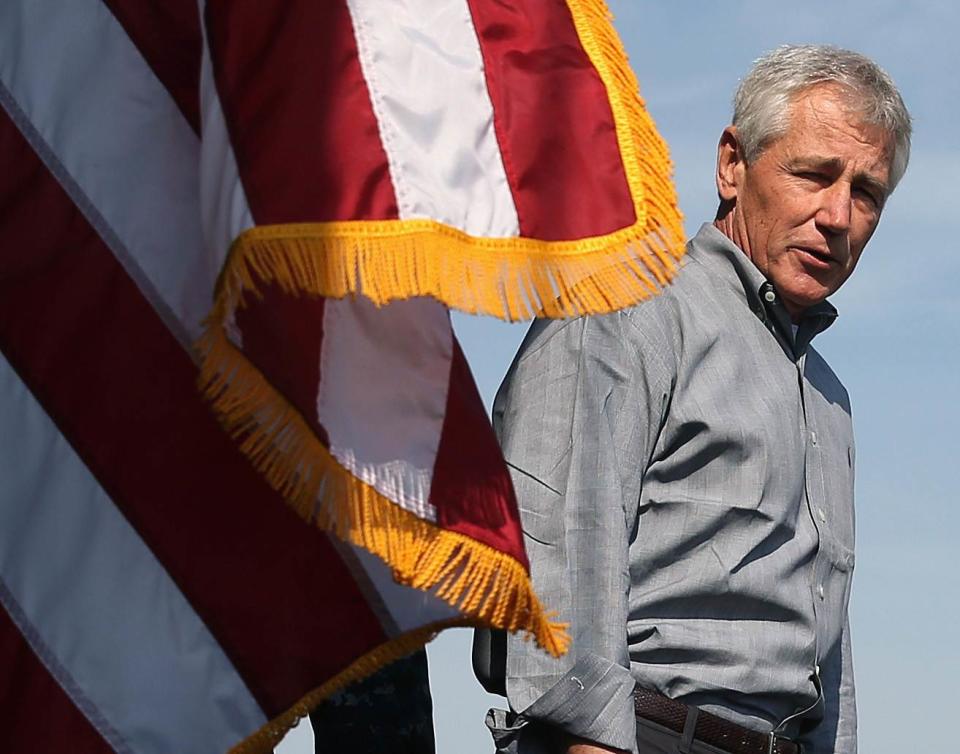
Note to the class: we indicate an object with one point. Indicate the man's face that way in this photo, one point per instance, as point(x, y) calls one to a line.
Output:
point(804, 209)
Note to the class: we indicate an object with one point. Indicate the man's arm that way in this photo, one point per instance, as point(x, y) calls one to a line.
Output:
point(577, 418)
point(574, 745)
point(837, 732)
point(846, 740)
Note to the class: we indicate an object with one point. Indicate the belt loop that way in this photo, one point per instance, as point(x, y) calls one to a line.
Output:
point(689, 730)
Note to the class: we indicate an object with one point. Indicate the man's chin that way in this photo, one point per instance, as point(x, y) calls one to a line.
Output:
point(797, 301)
point(809, 290)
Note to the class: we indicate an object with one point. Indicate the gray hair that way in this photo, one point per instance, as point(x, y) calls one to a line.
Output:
point(762, 102)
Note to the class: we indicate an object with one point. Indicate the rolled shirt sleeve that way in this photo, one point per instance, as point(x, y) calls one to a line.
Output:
point(577, 418)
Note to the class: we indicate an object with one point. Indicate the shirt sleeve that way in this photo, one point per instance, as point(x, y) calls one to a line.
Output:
point(837, 732)
point(577, 417)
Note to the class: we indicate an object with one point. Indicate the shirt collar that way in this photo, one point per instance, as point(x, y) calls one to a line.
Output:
point(730, 265)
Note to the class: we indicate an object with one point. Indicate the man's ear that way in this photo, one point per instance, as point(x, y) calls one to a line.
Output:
point(730, 165)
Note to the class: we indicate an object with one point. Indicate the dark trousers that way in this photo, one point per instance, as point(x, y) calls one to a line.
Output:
point(391, 712)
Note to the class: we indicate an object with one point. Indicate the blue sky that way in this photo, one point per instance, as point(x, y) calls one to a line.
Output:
point(895, 345)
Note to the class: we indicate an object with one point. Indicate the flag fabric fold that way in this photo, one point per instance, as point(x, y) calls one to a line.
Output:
point(332, 176)
point(493, 157)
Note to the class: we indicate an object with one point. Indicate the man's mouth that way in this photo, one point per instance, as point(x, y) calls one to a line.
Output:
point(817, 257)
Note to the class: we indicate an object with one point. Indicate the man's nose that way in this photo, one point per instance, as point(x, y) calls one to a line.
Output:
point(835, 208)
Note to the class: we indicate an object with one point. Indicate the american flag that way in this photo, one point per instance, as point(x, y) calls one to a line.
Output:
point(279, 201)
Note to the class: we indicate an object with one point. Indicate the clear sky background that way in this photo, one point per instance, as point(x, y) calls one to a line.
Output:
point(895, 345)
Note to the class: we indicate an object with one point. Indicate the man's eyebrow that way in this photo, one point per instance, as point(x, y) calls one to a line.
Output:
point(816, 161)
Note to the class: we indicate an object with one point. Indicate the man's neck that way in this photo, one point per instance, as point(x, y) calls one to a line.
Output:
point(725, 222)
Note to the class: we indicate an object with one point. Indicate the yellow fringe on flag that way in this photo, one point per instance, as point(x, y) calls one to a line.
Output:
point(488, 586)
point(510, 278)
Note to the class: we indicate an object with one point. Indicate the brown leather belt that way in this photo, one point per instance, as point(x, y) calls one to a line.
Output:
point(709, 729)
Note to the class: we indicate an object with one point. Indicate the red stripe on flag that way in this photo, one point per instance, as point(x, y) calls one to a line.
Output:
point(553, 121)
point(283, 336)
point(36, 715)
point(471, 487)
point(167, 34)
point(298, 111)
point(271, 588)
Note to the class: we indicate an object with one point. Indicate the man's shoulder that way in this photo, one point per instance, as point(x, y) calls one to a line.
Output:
point(655, 323)
point(662, 317)
point(645, 335)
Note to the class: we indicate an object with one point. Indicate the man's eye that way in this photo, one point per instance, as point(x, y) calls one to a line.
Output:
point(867, 196)
point(810, 175)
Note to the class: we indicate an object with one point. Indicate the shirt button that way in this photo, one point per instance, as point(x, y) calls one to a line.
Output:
point(813, 437)
point(770, 296)
point(820, 591)
point(821, 515)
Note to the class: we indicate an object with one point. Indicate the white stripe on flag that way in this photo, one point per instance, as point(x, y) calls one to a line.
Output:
point(100, 601)
point(224, 209)
point(422, 63)
point(384, 378)
point(119, 135)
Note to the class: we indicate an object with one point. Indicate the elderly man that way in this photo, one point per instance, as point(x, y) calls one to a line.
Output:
point(685, 468)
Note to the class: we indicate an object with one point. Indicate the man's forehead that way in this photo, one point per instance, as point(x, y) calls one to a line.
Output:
point(825, 126)
point(832, 105)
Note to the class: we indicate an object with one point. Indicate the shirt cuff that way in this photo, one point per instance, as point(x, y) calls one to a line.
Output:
point(512, 734)
point(593, 700)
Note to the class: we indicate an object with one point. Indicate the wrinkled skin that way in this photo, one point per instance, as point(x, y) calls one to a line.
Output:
point(804, 209)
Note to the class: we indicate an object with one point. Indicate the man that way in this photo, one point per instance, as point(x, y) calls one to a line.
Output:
point(685, 468)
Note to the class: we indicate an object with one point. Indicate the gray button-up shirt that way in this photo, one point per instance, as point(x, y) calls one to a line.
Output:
point(684, 471)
